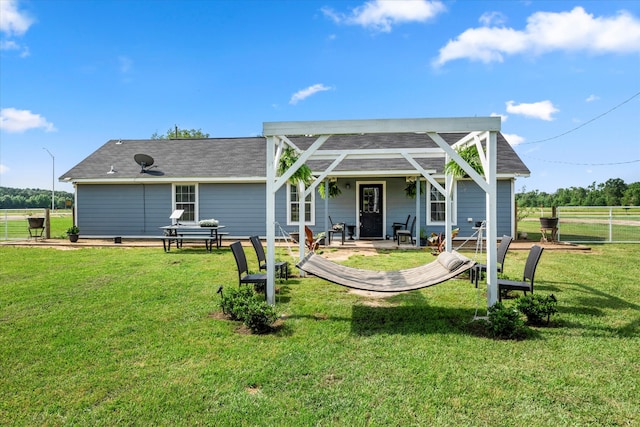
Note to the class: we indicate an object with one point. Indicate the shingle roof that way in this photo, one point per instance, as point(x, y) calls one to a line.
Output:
point(245, 158)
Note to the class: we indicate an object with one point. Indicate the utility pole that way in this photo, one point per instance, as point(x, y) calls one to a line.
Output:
point(53, 180)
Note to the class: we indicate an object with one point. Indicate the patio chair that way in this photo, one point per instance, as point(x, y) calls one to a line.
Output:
point(475, 273)
point(400, 226)
point(410, 234)
point(243, 270)
point(281, 267)
point(338, 227)
point(526, 284)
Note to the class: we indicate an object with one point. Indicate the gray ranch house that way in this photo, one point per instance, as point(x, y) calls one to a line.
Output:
point(225, 179)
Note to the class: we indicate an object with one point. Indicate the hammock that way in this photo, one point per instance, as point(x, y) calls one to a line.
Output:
point(446, 266)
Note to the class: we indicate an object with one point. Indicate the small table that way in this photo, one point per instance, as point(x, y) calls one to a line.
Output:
point(351, 229)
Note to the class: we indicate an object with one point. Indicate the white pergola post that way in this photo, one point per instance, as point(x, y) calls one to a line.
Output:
point(418, 223)
point(492, 218)
point(301, 222)
point(271, 219)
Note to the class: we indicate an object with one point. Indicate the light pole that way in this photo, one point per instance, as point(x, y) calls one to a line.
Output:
point(53, 180)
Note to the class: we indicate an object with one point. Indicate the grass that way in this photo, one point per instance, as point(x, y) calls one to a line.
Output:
point(112, 336)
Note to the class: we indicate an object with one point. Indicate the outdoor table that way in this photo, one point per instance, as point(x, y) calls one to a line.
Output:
point(181, 229)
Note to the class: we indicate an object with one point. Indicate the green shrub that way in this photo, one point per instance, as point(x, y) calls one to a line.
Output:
point(235, 302)
point(505, 322)
point(537, 308)
point(245, 305)
point(260, 316)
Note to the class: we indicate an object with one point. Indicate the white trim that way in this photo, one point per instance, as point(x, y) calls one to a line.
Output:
point(384, 206)
point(196, 204)
point(454, 204)
point(312, 220)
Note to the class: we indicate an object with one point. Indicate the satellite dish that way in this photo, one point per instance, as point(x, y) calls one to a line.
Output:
point(144, 161)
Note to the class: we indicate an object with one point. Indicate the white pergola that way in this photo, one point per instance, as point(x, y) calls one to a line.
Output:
point(477, 130)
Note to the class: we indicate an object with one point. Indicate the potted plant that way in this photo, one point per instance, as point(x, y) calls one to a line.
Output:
point(73, 233)
point(35, 222)
point(423, 237)
point(470, 155)
point(548, 222)
point(334, 190)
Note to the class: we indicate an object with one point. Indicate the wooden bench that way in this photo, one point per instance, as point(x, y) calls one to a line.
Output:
point(204, 234)
point(166, 240)
point(208, 241)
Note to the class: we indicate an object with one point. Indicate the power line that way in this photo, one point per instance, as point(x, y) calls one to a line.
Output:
point(584, 124)
point(583, 164)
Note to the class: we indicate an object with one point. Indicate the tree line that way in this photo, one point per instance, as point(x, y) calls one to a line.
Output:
point(613, 192)
point(32, 198)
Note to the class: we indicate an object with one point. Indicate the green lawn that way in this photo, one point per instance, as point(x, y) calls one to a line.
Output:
point(133, 336)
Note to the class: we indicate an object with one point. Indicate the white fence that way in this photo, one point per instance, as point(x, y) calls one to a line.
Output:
point(14, 223)
point(599, 224)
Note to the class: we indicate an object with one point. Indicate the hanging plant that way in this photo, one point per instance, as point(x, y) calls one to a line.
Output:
point(334, 190)
point(470, 155)
point(287, 159)
point(410, 189)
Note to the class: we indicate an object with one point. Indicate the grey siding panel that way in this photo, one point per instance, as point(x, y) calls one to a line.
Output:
point(121, 210)
point(239, 207)
point(139, 209)
point(472, 202)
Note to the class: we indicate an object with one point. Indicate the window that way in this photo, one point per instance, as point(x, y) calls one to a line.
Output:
point(293, 214)
point(436, 206)
point(185, 197)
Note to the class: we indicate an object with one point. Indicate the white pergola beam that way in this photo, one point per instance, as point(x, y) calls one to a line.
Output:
point(347, 127)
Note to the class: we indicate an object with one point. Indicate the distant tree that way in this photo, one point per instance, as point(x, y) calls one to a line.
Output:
point(176, 133)
point(613, 190)
point(26, 198)
point(632, 195)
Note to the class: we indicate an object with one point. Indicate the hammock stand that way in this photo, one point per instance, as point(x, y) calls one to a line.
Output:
point(411, 279)
point(476, 131)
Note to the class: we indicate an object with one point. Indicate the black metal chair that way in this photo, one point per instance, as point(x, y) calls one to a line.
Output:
point(338, 227)
point(410, 234)
point(475, 273)
point(526, 284)
point(400, 226)
point(241, 262)
point(281, 267)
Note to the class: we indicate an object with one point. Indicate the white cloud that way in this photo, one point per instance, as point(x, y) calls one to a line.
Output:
point(12, 20)
point(492, 18)
point(503, 117)
point(307, 92)
point(13, 23)
point(513, 139)
point(538, 110)
point(380, 15)
point(12, 120)
point(3, 169)
point(545, 32)
point(592, 98)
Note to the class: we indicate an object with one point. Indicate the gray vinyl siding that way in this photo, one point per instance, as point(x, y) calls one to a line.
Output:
point(121, 210)
point(241, 208)
point(472, 202)
point(140, 209)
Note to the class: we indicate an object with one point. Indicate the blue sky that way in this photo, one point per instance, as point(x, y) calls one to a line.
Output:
point(564, 75)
